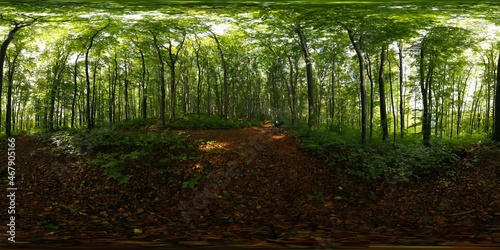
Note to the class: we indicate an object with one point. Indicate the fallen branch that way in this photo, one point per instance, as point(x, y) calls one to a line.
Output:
point(462, 213)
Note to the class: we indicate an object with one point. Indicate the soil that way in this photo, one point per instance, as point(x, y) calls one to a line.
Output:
point(257, 188)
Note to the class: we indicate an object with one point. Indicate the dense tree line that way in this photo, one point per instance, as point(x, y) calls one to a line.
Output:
point(384, 69)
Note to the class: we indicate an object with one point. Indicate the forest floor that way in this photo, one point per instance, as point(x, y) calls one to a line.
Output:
point(256, 188)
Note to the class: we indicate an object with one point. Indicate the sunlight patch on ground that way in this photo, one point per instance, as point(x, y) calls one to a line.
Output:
point(213, 145)
point(277, 137)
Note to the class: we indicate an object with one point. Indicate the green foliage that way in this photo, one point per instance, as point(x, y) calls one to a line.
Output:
point(113, 166)
point(392, 161)
point(49, 225)
point(135, 149)
point(193, 121)
point(192, 182)
point(61, 143)
point(166, 170)
point(71, 209)
point(262, 165)
point(98, 138)
point(317, 197)
point(134, 124)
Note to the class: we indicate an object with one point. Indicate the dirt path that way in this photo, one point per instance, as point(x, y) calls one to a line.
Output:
point(255, 187)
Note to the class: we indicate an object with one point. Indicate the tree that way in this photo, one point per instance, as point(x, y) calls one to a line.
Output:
point(496, 126)
point(90, 122)
point(225, 83)
point(383, 110)
point(357, 43)
point(439, 43)
point(172, 59)
point(311, 121)
point(18, 25)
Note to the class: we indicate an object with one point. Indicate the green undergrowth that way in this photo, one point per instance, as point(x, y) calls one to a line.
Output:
point(394, 161)
point(137, 144)
point(125, 149)
point(202, 121)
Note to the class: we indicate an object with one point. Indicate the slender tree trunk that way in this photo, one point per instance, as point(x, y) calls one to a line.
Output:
point(381, 88)
point(162, 81)
point(424, 88)
point(312, 119)
point(332, 89)
point(53, 90)
point(393, 109)
point(198, 67)
point(362, 87)
point(3, 53)
point(87, 75)
point(401, 91)
point(10, 76)
point(93, 102)
point(112, 98)
point(368, 68)
point(75, 90)
point(225, 84)
point(173, 92)
point(126, 82)
point(143, 86)
point(209, 104)
point(496, 121)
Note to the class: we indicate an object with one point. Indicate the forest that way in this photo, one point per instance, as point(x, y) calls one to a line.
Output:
point(311, 124)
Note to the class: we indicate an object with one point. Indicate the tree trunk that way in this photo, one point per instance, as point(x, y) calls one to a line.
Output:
point(372, 102)
point(332, 89)
point(496, 125)
point(10, 76)
point(225, 85)
point(171, 63)
point(311, 122)
point(401, 91)
point(112, 101)
point(75, 91)
point(381, 88)
point(143, 86)
point(362, 87)
point(162, 81)
point(3, 52)
point(126, 82)
point(426, 102)
point(393, 109)
point(87, 75)
point(199, 71)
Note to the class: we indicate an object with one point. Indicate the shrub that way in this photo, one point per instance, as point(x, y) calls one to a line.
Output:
point(393, 161)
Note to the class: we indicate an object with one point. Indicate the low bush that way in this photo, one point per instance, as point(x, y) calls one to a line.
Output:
point(194, 121)
point(392, 161)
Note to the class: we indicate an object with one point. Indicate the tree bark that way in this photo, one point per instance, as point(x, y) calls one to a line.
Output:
point(126, 82)
point(75, 91)
point(87, 75)
point(496, 126)
point(425, 90)
point(368, 68)
point(401, 91)
point(3, 53)
point(199, 71)
point(225, 85)
point(311, 122)
point(162, 80)
point(8, 118)
point(381, 88)
point(171, 63)
point(143, 86)
point(362, 87)
point(393, 108)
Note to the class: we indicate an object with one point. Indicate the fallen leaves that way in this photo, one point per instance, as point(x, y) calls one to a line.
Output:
point(251, 180)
